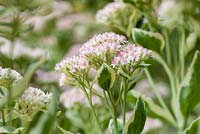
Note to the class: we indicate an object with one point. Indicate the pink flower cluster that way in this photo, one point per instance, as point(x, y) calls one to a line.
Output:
point(108, 11)
point(102, 43)
point(130, 54)
point(111, 48)
point(73, 64)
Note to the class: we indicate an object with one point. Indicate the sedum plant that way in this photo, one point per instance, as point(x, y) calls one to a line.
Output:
point(116, 64)
point(157, 38)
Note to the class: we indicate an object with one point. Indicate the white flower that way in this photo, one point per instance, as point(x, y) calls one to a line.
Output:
point(20, 50)
point(8, 77)
point(108, 11)
point(165, 10)
point(73, 64)
point(36, 97)
point(76, 96)
point(130, 54)
point(10, 74)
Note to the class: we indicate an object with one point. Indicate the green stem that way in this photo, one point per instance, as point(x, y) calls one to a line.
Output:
point(93, 110)
point(124, 100)
point(168, 50)
point(3, 117)
point(114, 114)
point(155, 90)
point(158, 58)
point(181, 53)
point(130, 25)
point(174, 102)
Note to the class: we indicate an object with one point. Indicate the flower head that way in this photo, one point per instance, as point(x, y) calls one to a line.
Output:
point(101, 45)
point(108, 11)
point(8, 76)
point(36, 97)
point(109, 48)
point(130, 54)
point(102, 42)
point(73, 64)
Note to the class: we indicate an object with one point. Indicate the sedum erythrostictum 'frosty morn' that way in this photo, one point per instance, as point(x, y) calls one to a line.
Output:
point(109, 53)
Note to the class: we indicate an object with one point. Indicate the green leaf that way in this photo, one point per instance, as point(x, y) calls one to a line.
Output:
point(111, 127)
point(193, 127)
point(136, 122)
point(150, 40)
point(190, 89)
point(106, 77)
point(19, 87)
point(43, 122)
point(153, 108)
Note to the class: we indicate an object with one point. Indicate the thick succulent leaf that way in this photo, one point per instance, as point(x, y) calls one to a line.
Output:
point(190, 88)
point(111, 127)
point(136, 122)
point(150, 40)
point(106, 77)
point(193, 127)
point(152, 107)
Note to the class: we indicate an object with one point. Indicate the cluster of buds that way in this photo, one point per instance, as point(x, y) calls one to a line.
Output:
point(35, 97)
point(109, 48)
point(8, 77)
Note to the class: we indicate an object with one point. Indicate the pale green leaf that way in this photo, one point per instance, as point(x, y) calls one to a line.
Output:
point(136, 122)
point(106, 77)
point(193, 127)
point(150, 40)
point(190, 89)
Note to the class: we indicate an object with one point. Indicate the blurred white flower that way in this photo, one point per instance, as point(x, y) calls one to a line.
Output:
point(144, 87)
point(59, 8)
point(47, 77)
point(169, 13)
point(76, 96)
point(20, 50)
point(152, 124)
point(9, 73)
point(68, 21)
point(36, 97)
point(109, 11)
point(165, 10)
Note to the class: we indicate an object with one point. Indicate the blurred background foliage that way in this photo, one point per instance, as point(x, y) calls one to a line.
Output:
point(31, 29)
